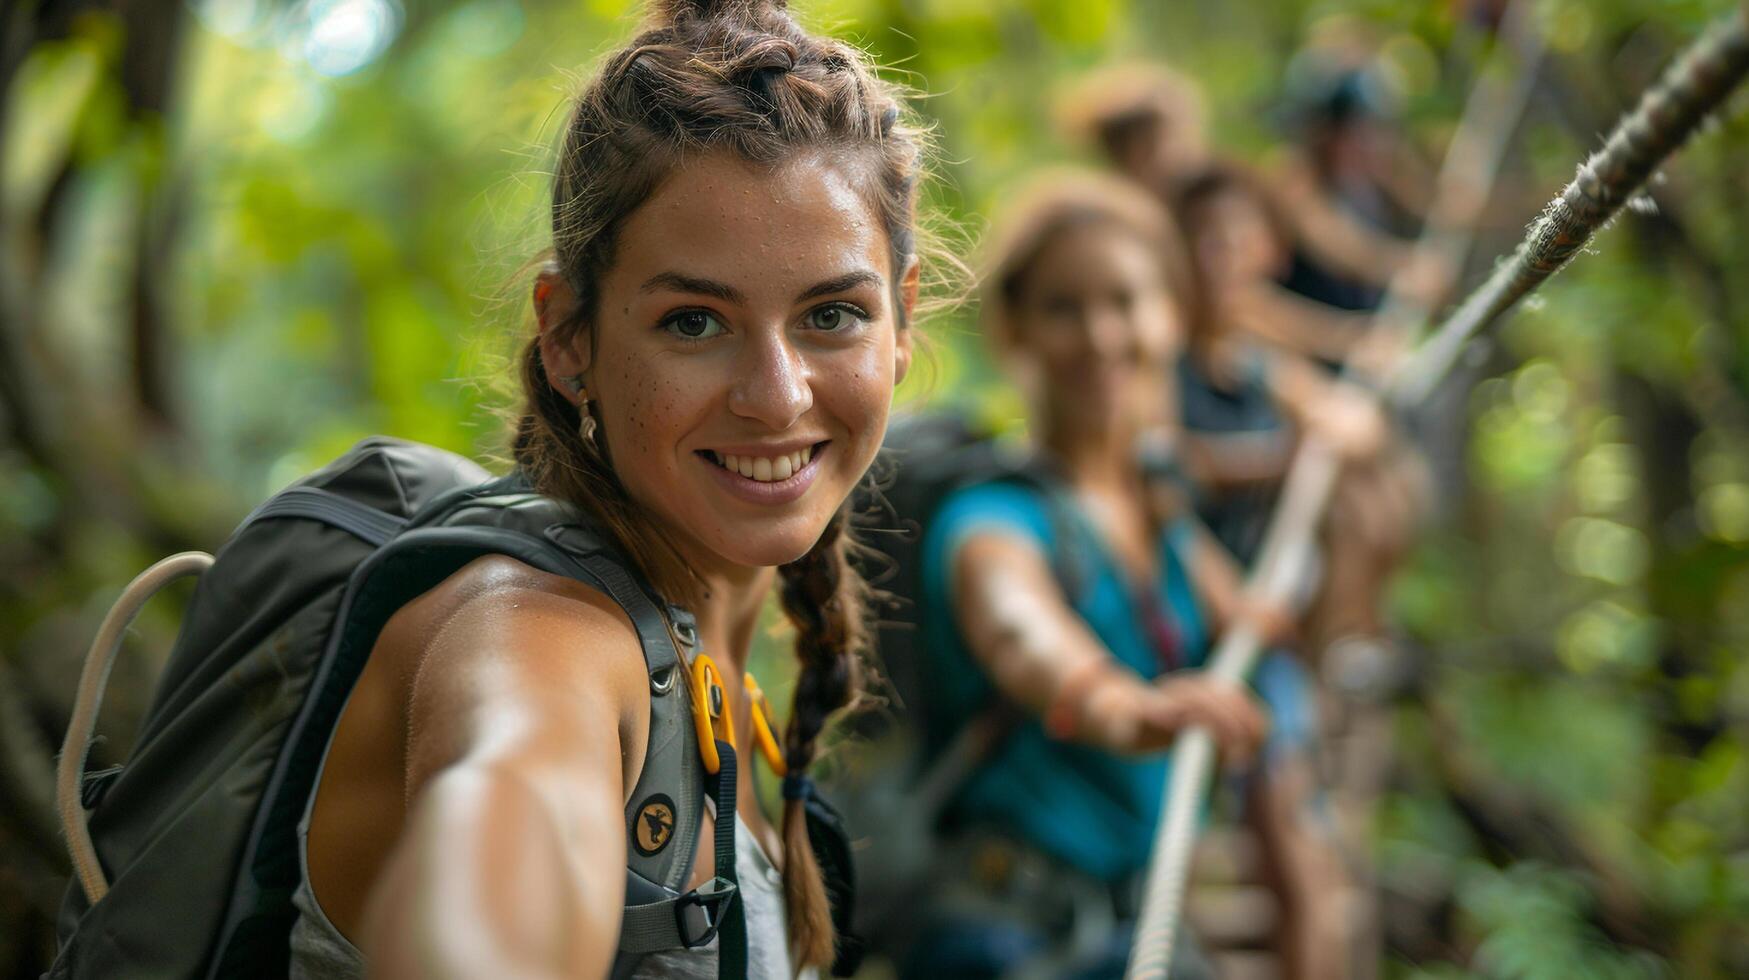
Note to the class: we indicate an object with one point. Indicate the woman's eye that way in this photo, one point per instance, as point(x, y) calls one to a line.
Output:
point(693, 325)
point(836, 316)
point(1061, 309)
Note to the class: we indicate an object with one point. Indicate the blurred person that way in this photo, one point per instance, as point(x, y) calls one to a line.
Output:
point(1046, 837)
point(1354, 179)
point(1342, 110)
point(1244, 247)
point(1148, 122)
point(721, 323)
point(1242, 405)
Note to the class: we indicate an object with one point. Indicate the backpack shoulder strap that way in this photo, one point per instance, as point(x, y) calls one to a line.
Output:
point(665, 808)
point(1070, 561)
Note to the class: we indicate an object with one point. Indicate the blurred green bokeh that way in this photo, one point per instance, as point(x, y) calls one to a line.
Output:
point(326, 236)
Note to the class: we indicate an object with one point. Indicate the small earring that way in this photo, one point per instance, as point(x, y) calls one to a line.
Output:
point(574, 382)
point(587, 426)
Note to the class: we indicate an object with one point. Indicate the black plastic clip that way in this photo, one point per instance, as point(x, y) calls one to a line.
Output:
point(700, 912)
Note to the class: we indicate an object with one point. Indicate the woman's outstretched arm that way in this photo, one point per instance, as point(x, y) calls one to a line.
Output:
point(1040, 654)
point(527, 720)
point(1289, 321)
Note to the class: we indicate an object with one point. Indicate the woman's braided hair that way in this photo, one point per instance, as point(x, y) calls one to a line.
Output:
point(737, 76)
point(817, 591)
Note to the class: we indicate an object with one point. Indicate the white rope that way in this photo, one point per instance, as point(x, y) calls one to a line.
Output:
point(1472, 162)
point(1284, 558)
point(1667, 115)
point(92, 680)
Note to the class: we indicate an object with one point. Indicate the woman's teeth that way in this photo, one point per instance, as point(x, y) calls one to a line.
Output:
point(765, 469)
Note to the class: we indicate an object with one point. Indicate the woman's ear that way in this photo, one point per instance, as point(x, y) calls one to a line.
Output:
point(563, 351)
point(909, 286)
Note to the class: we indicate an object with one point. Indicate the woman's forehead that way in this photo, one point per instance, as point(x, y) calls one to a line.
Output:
point(1233, 201)
point(1095, 251)
point(761, 226)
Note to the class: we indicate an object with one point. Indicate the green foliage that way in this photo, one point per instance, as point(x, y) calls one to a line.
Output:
point(1533, 919)
point(345, 256)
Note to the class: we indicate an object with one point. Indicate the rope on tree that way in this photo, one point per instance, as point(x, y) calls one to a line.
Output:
point(1668, 113)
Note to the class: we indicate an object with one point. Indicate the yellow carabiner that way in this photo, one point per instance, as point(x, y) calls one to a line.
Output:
point(764, 727)
point(708, 706)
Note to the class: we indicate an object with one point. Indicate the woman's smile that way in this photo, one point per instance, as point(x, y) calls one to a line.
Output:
point(766, 477)
point(743, 381)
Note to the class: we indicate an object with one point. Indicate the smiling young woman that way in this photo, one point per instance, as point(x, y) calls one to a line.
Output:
point(1076, 595)
point(722, 322)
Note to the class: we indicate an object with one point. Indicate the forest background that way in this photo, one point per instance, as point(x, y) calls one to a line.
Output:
point(238, 235)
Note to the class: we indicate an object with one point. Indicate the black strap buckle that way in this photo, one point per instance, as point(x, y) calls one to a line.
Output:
point(700, 912)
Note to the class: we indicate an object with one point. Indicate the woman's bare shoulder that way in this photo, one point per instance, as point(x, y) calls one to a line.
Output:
point(501, 637)
point(499, 586)
point(500, 605)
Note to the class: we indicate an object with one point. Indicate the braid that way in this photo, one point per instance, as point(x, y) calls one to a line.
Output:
point(824, 597)
point(742, 77)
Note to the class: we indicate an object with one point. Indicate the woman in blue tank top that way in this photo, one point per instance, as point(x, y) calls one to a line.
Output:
point(1055, 824)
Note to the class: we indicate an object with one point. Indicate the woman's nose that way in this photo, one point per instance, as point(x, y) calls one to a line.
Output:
point(1109, 336)
point(772, 383)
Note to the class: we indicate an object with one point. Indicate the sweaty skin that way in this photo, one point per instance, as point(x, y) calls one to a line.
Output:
point(468, 822)
point(1094, 327)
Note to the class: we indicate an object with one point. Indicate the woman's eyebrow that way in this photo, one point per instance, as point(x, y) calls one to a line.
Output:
point(692, 284)
point(838, 284)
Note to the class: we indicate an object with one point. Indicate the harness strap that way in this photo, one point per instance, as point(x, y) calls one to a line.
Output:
point(617, 582)
point(683, 922)
point(656, 916)
point(732, 944)
point(713, 909)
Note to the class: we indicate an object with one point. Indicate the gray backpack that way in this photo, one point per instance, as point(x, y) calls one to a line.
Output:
point(192, 846)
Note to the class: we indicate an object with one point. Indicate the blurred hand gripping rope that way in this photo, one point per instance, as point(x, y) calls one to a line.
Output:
point(1667, 115)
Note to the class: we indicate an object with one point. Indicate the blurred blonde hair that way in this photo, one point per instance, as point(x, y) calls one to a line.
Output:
point(1109, 106)
point(1047, 205)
